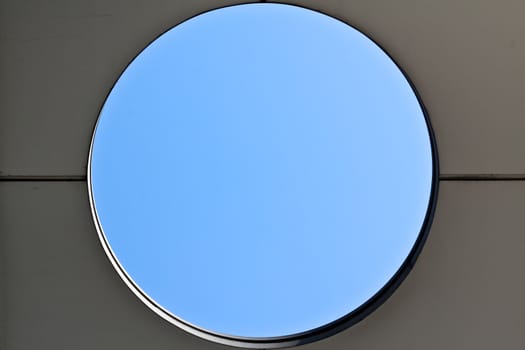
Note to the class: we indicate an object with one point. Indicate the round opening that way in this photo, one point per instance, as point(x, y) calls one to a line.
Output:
point(262, 175)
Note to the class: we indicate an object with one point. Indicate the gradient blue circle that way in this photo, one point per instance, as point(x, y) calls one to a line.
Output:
point(260, 170)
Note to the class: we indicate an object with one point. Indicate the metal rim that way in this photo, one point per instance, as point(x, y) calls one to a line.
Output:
point(315, 334)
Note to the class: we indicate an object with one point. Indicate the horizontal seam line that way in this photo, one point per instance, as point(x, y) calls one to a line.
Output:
point(482, 177)
point(51, 178)
point(442, 177)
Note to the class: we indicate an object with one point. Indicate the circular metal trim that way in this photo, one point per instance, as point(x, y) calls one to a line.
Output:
point(315, 334)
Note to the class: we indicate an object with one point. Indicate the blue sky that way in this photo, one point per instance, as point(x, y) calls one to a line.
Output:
point(261, 170)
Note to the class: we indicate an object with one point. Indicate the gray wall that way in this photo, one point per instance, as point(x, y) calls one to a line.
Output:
point(58, 60)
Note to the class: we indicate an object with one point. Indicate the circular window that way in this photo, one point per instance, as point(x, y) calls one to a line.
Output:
point(262, 175)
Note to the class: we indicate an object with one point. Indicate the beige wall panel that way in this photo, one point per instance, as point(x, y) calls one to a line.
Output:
point(62, 292)
point(466, 291)
point(59, 59)
point(58, 62)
